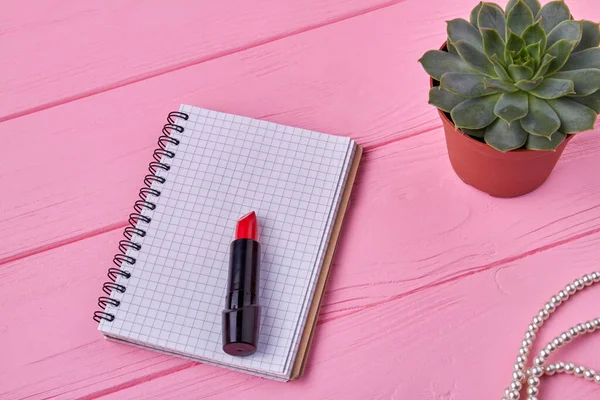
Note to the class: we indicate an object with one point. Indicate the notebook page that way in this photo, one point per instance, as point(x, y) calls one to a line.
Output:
point(226, 166)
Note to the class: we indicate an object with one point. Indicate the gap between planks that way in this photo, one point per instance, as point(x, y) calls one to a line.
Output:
point(123, 224)
point(191, 63)
point(433, 285)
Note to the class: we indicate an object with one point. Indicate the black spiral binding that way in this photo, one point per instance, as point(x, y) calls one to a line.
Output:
point(121, 259)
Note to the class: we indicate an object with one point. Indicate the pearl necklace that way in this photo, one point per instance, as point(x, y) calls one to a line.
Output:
point(532, 375)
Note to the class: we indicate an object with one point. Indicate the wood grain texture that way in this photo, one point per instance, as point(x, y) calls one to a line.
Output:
point(433, 283)
point(481, 235)
point(98, 147)
point(453, 341)
point(443, 340)
point(63, 51)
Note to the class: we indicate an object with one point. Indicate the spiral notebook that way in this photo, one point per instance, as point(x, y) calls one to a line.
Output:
point(168, 288)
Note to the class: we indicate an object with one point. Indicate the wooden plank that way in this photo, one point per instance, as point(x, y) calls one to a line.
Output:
point(59, 52)
point(88, 158)
point(454, 340)
point(412, 227)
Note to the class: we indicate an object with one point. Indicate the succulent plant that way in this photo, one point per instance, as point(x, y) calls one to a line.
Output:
point(521, 78)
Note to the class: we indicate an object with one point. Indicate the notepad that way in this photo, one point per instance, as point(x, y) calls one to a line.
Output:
point(168, 291)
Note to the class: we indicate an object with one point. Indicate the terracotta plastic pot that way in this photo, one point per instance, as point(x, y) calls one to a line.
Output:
point(499, 174)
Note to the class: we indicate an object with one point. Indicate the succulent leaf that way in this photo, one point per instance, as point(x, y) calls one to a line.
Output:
point(552, 88)
point(524, 77)
point(561, 50)
point(493, 43)
point(589, 58)
point(475, 14)
point(512, 106)
point(499, 69)
point(475, 113)
point(451, 48)
point(505, 136)
point(592, 101)
point(542, 143)
point(590, 36)
point(515, 43)
point(519, 18)
point(436, 62)
point(535, 33)
point(499, 85)
point(491, 16)
point(541, 120)
point(586, 81)
point(568, 30)
point(574, 116)
point(478, 133)
point(444, 99)
point(552, 14)
point(460, 29)
point(534, 5)
point(465, 84)
point(529, 85)
point(474, 58)
point(543, 68)
point(520, 72)
point(535, 52)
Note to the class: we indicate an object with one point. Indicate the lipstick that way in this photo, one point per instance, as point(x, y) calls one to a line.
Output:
point(241, 315)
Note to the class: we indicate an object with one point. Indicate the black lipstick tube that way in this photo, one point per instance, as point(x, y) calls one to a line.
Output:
point(241, 315)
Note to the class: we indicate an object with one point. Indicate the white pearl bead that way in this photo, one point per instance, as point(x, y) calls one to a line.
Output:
point(514, 395)
point(550, 369)
point(533, 381)
point(580, 328)
point(529, 335)
point(550, 347)
point(573, 332)
point(587, 280)
point(532, 398)
point(521, 359)
point(550, 307)
point(532, 391)
point(545, 353)
point(527, 343)
point(589, 374)
point(566, 337)
point(556, 341)
point(537, 321)
point(537, 371)
point(516, 385)
point(578, 371)
point(564, 296)
point(532, 328)
point(570, 289)
point(518, 376)
point(556, 300)
point(597, 378)
point(569, 368)
point(543, 314)
point(519, 367)
point(539, 361)
point(589, 327)
point(579, 284)
point(560, 366)
point(596, 277)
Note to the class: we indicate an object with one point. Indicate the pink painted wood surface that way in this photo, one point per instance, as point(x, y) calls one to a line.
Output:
point(409, 309)
point(63, 51)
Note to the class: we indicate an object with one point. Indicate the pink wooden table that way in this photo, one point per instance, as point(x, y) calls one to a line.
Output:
point(434, 310)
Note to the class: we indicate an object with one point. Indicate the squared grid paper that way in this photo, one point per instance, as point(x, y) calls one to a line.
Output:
point(225, 166)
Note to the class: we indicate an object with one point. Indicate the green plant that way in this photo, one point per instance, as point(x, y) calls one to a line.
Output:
point(521, 78)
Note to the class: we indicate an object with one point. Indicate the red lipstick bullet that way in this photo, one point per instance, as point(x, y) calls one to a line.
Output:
point(241, 315)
